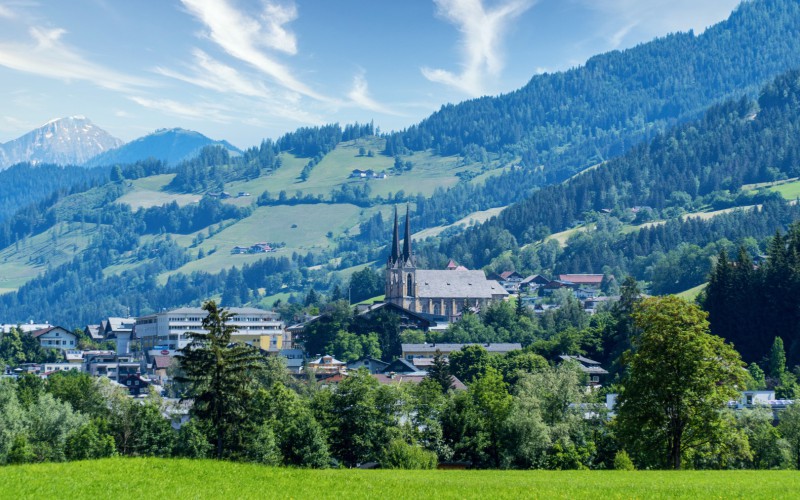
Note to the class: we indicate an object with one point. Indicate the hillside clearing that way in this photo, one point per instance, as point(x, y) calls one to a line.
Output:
point(470, 220)
point(140, 478)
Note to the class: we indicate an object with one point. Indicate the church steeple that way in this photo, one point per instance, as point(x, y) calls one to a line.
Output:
point(395, 255)
point(407, 255)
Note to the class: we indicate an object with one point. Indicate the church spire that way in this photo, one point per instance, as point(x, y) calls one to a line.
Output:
point(407, 255)
point(395, 255)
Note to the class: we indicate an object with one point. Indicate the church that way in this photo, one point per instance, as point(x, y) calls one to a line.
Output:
point(436, 292)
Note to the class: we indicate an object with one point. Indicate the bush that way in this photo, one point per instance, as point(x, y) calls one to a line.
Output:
point(622, 461)
point(401, 455)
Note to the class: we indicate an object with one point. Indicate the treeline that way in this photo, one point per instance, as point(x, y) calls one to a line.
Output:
point(751, 304)
point(697, 164)
point(214, 166)
point(27, 185)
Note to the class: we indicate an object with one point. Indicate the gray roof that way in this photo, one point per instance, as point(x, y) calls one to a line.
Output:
point(456, 284)
point(431, 348)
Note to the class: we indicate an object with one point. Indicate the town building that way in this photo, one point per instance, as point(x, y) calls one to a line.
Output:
point(55, 337)
point(590, 367)
point(119, 330)
point(166, 332)
point(24, 327)
point(438, 292)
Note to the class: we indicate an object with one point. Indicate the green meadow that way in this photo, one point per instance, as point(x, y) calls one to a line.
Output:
point(171, 478)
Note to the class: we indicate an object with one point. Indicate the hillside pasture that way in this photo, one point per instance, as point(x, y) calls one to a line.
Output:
point(470, 220)
point(300, 227)
point(24, 261)
point(180, 478)
point(150, 192)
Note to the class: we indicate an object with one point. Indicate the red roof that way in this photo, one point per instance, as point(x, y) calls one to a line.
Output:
point(582, 279)
point(161, 362)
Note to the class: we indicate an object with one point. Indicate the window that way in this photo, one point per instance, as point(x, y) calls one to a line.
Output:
point(410, 285)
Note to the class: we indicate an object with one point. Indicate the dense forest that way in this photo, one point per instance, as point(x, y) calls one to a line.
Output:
point(750, 304)
point(699, 164)
point(25, 185)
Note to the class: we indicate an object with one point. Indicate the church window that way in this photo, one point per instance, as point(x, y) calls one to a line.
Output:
point(437, 310)
point(410, 285)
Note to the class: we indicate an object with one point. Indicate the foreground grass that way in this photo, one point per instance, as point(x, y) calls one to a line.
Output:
point(141, 478)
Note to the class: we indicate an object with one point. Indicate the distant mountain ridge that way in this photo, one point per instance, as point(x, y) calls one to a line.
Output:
point(168, 145)
point(64, 141)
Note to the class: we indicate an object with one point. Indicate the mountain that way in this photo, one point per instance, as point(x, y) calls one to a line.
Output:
point(571, 120)
point(168, 145)
point(149, 241)
point(66, 141)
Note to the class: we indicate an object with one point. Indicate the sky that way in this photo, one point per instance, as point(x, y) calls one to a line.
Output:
point(247, 70)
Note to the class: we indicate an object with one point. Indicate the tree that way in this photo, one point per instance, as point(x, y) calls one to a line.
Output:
point(440, 371)
point(678, 378)
point(789, 428)
point(469, 363)
point(218, 373)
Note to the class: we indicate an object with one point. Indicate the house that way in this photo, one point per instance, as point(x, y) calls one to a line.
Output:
point(135, 383)
point(408, 319)
point(50, 368)
point(554, 285)
point(327, 365)
point(294, 359)
point(584, 280)
point(261, 248)
point(93, 332)
point(237, 250)
point(371, 364)
point(533, 282)
point(55, 337)
point(584, 293)
point(120, 330)
point(414, 351)
point(510, 280)
point(159, 366)
point(358, 174)
point(590, 367)
point(402, 366)
point(108, 364)
point(243, 194)
point(411, 378)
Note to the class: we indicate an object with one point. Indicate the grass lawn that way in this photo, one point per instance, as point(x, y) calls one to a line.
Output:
point(692, 293)
point(142, 478)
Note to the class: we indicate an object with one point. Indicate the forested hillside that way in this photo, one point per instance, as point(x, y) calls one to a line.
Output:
point(24, 184)
point(699, 165)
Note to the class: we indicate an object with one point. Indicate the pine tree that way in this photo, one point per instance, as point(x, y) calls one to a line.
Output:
point(440, 371)
point(218, 373)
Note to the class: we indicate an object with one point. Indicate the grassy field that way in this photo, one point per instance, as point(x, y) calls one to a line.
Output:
point(141, 478)
point(149, 192)
point(692, 293)
point(470, 220)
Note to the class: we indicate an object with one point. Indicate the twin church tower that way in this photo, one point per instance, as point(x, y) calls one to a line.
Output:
point(436, 292)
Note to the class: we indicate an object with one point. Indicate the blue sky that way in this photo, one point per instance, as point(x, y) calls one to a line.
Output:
point(244, 70)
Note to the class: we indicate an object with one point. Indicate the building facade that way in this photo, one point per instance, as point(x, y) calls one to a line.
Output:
point(437, 292)
point(166, 332)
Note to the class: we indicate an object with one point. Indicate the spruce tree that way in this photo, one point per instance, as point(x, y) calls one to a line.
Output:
point(440, 371)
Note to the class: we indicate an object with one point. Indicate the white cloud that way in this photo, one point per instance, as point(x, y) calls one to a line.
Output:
point(359, 95)
point(49, 56)
point(276, 36)
point(481, 30)
point(199, 111)
point(245, 38)
point(637, 21)
point(215, 75)
point(5, 12)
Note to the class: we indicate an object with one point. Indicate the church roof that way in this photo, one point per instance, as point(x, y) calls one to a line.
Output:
point(456, 284)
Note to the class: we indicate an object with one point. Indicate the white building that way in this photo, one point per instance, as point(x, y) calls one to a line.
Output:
point(55, 337)
point(24, 327)
point(165, 332)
